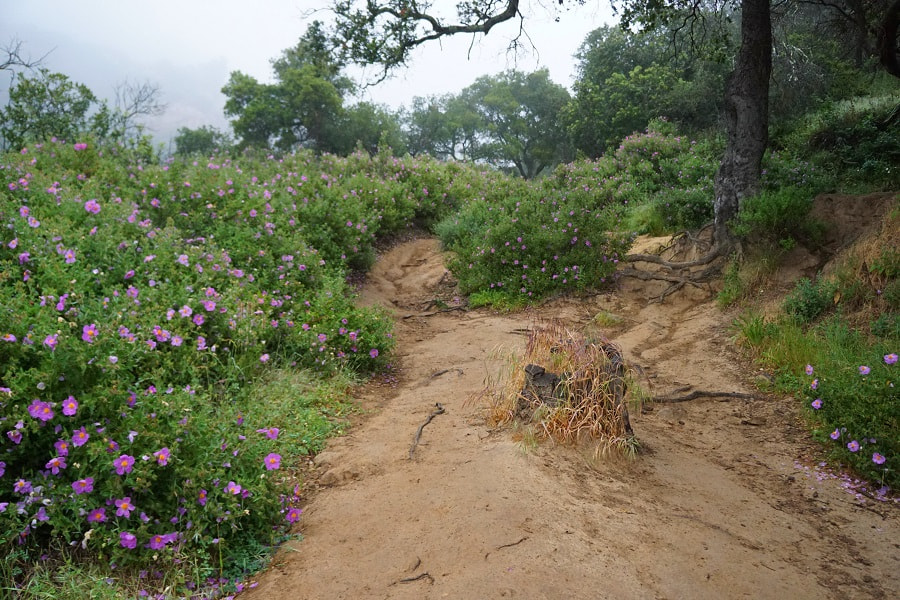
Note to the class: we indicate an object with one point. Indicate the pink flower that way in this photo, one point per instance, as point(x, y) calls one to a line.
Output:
point(878, 459)
point(127, 540)
point(233, 488)
point(40, 410)
point(80, 437)
point(185, 311)
point(51, 341)
point(70, 406)
point(56, 464)
point(272, 461)
point(83, 486)
point(293, 515)
point(162, 456)
point(890, 359)
point(89, 333)
point(271, 432)
point(209, 305)
point(835, 434)
point(814, 385)
point(80, 146)
point(864, 370)
point(373, 352)
point(264, 358)
point(98, 515)
point(62, 447)
point(124, 507)
point(157, 542)
point(92, 206)
point(198, 319)
point(809, 370)
point(183, 260)
point(817, 403)
point(123, 464)
point(853, 446)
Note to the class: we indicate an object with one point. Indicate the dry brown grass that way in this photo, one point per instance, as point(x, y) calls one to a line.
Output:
point(593, 391)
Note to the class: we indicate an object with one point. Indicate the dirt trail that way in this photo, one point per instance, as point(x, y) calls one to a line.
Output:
point(726, 502)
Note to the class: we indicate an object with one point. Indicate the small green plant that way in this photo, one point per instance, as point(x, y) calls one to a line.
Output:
point(810, 299)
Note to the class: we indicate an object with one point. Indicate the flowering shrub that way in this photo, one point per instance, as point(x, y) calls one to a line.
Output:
point(140, 302)
point(857, 409)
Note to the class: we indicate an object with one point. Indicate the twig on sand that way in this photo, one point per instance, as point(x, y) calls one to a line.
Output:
point(424, 575)
point(438, 410)
point(502, 546)
point(702, 394)
point(437, 374)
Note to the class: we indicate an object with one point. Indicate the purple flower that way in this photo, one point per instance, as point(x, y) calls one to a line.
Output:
point(272, 461)
point(2, 468)
point(201, 498)
point(373, 352)
point(22, 486)
point(162, 456)
point(123, 464)
point(98, 515)
point(92, 206)
point(878, 459)
point(8, 337)
point(185, 311)
point(817, 403)
point(890, 359)
point(89, 333)
point(70, 406)
point(201, 342)
point(157, 542)
point(183, 260)
point(80, 146)
point(51, 341)
point(56, 464)
point(322, 338)
point(809, 370)
point(271, 432)
point(853, 446)
point(124, 507)
point(80, 437)
point(70, 256)
point(83, 486)
point(40, 410)
point(264, 358)
point(233, 488)
point(293, 515)
point(198, 319)
point(864, 370)
point(127, 540)
point(814, 385)
point(835, 434)
point(209, 305)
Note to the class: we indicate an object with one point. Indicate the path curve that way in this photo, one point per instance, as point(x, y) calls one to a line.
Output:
point(726, 502)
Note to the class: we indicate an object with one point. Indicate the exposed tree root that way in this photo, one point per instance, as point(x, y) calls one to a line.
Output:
point(703, 394)
point(438, 410)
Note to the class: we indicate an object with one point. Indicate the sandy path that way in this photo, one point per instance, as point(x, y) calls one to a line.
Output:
point(716, 507)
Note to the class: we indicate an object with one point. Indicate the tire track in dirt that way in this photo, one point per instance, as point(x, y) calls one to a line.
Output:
point(712, 508)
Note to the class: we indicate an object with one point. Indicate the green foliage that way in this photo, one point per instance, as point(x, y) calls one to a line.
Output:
point(856, 139)
point(778, 217)
point(204, 141)
point(43, 106)
point(810, 299)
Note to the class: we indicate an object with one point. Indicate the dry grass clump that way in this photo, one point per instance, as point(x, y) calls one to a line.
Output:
point(587, 405)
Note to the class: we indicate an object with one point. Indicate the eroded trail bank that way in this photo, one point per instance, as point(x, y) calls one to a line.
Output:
point(726, 501)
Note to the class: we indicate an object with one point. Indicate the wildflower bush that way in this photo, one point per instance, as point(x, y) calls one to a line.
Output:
point(141, 304)
point(568, 232)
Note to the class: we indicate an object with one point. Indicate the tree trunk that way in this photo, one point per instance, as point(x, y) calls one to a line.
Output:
point(746, 117)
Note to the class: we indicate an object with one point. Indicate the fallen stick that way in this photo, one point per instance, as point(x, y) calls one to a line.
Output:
point(445, 371)
point(438, 410)
point(703, 394)
point(418, 577)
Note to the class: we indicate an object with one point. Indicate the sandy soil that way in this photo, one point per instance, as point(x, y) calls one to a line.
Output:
point(726, 501)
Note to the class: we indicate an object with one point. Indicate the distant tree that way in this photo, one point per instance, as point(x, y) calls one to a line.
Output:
point(12, 57)
point(43, 106)
point(520, 122)
point(302, 108)
point(443, 126)
point(204, 140)
point(626, 79)
point(370, 126)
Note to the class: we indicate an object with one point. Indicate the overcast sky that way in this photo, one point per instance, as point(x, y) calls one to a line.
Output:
point(189, 48)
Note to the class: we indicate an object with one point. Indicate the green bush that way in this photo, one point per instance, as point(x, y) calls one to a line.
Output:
point(778, 218)
point(810, 299)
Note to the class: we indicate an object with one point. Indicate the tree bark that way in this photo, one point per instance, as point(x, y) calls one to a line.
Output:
point(746, 117)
